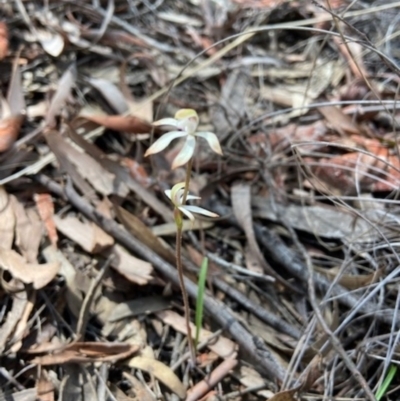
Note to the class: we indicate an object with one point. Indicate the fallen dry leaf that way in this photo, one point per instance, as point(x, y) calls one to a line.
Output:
point(143, 233)
point(86, 234)
point(137, 171)
point(39, 275)
point(63, 92)
point(9, 130)
point(3, 40)
point(11, 111)
point(51, 41)
point(222, 346)
point(241, 205)
point(13, 316)
point(45, 207)
point(352, 282)
point(114, 96)
point(339, 121)
point(129, 124)
point(161, 372)
point(287, 395)
point(45, 387)
point(21, 327)
point(141, 392)
point(356, 170)
point(135, 270)
point(7, 220)
point(87, 352)
point(28, 230)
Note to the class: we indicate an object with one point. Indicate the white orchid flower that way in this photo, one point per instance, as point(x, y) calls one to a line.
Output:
point(186, 122)
point(176, 196)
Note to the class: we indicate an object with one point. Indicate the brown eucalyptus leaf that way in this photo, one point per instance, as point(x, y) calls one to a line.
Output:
point(241, 204)
point(45, 207)
point(7, 220)
point(63, 92)
point(9, 130)
point(28, 230)
point(3, 40)
point(86, 234)
point(143, 233)
point(39, 275)
point(13, 316)
point(87, 352)
point(135, 270)
point(161, 372)
point(121, 123)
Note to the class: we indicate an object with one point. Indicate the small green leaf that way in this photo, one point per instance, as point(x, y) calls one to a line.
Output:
point(386, 383)
point(200, 298)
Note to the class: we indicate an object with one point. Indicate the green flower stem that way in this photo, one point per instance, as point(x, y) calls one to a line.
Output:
point(179, 224)
point(187, 180)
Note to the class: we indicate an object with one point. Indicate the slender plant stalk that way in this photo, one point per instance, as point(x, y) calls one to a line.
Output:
point(187, 179)
point(179, 223)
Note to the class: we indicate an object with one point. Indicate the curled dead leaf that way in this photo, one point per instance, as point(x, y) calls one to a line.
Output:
point(52, 42)
point(162, 372)
point(29, 273)
point(352, 282)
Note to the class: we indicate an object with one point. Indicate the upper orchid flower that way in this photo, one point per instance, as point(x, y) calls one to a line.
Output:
point(176, 196)
point(186, 122)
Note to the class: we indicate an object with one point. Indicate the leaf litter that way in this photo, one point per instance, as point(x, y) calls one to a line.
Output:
point(303, 102)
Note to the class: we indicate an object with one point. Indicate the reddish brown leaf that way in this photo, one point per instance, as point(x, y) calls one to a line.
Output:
point(45, 207)
point(88, 352)
point(137, 171)
point(338, 120)
point(3, 40)
point(9, 130)
point(44, 387)
point(130, 124)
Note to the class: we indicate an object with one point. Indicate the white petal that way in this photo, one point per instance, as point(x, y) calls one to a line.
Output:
point(185, 153)
point(166, 121)
point(200, 210)
point(184, 210)
point(189, 197)
point(162, 142)
point(168, 193)
point(212, 140)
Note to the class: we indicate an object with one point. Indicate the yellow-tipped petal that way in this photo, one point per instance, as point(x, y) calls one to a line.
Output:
point(182, 114)
point(176, 193)
point(188, 120)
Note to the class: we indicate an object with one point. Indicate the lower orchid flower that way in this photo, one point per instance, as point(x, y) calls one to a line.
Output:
point(176, 196)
